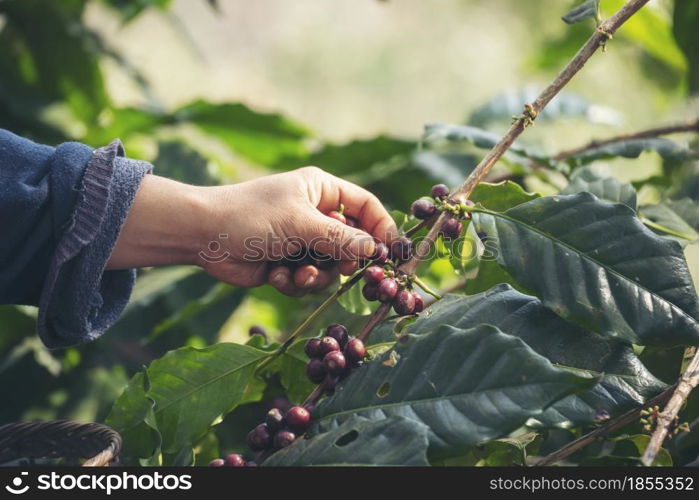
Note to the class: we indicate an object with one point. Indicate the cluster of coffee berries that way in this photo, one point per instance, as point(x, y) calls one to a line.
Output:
point(333, 357)
point(232, 460)
point(424, 208)
point(381, 284)
point(650, 420)
point(279, 429)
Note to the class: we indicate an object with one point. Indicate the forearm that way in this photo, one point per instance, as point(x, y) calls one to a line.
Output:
point(165, 226)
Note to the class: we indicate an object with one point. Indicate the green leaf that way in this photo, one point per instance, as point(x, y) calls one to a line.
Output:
point(354, 302)
point(595, 263)
point(501, 196)
point(359, 442)
point(191, 388)
point(589, 9)
point(626, 452)
point(684, 25)
point(467, 386)
point(624, 381)
point(262, 137)
point(132, 415)
point(292, 369)
point(604, 187)
point(631, 148)
point(678, 220)
point(504, 452)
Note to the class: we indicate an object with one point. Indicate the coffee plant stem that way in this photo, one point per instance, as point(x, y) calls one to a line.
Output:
point(681, 391)
point(311, 318)
point(374, 320)
point(601, 432)
point(596, 40)
point(426, 287)
point(417, 227)
point(643, 134)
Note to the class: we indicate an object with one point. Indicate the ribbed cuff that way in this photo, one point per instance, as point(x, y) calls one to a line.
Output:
point(79, 299)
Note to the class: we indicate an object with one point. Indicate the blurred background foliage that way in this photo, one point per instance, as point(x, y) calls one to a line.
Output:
point(221, 91)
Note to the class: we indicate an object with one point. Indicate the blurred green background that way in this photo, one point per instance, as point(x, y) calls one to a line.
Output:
point(222, 91)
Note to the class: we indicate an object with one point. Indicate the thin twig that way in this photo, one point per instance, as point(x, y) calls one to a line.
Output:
point(605, 430)
point(643, 134)
point(687, 382)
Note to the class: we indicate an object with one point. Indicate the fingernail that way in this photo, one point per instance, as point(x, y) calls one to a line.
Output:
point(309, 281)
point(278, 279)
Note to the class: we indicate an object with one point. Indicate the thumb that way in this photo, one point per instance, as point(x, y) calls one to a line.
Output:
point(329, 236)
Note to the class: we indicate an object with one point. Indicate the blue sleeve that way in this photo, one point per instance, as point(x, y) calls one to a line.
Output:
point(61, 211)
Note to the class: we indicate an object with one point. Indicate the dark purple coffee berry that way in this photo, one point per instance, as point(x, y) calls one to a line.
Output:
point(419, 303)
point(373, 274)
point(329, 384)
point(313, 348)
point(355, 351)
point(380, 255)
point(235, 460)
point(274, 420)
point(388, 288)
point(404, 303)
point(328, 344)
point(315, 371)
point(298, 419)
point(259, 438)
point(468, 203)
point(257, 330)
point(217, 462)
point(371, 292)
point(279, 402)
point(440, 191)
point(334, 363)
point(282, 439)
point(423, 209)
point(339, 333)
point(451, 229)
point(402, 249)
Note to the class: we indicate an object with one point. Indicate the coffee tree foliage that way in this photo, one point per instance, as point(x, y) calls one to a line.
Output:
point(570, 298)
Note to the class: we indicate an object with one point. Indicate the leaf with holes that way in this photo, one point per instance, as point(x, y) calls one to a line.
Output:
point(604, 187)
point(595, 263)
point(624, 382)
point(467, 386)
point(359, 442)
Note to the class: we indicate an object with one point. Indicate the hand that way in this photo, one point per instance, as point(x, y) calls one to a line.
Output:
point(239, 233)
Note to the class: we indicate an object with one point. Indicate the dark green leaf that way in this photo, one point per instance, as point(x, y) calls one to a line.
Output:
point(467, 386)
point(604, 187)
point(359, 442)
point(684, 25)
point(589, 9)
point(595, 263)
point(632, 148)
point(625, 383)
point(501, 196)
point(673, 219)
point(626, 452)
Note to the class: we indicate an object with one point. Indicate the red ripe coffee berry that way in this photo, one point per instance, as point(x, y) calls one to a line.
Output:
point(373, 274)
point(402, 249)
point(338, 216)
point(315, 371)
point(334, 363)
point(328, 344)
point(282, 439)
point(313, 348)
point(235, 460)
point(274, 420)
point(423, 209)
point(419, 303)
point(451, 229)
point(380, 255)
point(298, 419)
point(217, 462)
point(404, 302)
point(339, 333)
point(371, 292)
point(439, 191)
point(388, 288)
point(355, 351)
point(259, 438)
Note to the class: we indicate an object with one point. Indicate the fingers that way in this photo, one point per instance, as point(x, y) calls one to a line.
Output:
point(358, 202)
point(298, 282)
point(328, 236)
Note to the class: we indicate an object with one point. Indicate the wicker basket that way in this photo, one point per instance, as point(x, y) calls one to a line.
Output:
point(65, 439)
